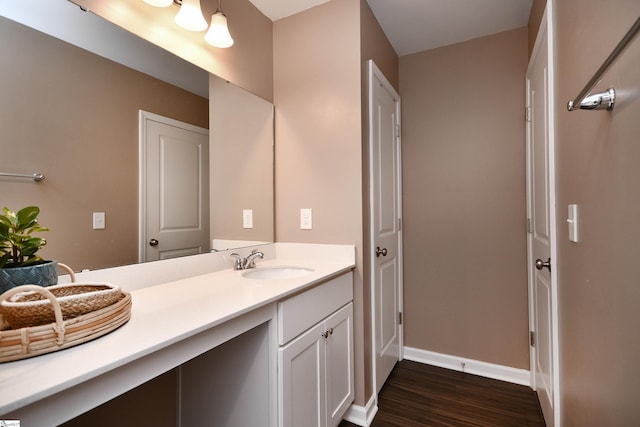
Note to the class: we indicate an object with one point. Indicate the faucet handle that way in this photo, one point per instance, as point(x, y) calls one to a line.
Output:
point(238, 262)
point(250, 262)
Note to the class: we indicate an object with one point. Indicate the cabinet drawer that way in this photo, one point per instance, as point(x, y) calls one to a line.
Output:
point(299, 313)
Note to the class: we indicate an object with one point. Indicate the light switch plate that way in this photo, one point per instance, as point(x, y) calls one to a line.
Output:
point(306, 219)
point(247, 218)
point(98, 221)
point(572, 221)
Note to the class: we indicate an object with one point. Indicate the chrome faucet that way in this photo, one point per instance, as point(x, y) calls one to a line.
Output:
point(248, 262)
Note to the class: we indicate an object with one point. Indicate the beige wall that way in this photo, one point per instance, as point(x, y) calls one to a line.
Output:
point(73, 116)
point(463, 142)
point(319, 157)
point(597, 168)
point(248, 63)
point(241, 163)
point(375, 45)
point(318, 150)
point(535, 17)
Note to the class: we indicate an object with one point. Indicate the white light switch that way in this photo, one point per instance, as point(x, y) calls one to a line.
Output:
point(98, 220)
point(306, 219)
point(247, 218)
point(573, 223)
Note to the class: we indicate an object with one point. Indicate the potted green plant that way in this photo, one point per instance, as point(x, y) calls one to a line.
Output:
point(20, 263)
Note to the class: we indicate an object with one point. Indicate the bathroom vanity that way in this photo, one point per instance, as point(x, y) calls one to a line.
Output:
point(247, 350)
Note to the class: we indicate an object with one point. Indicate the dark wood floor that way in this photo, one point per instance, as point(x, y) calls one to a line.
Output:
point(422, 395)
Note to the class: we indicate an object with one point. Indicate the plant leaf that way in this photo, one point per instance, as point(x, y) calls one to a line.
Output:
point(28, 214)
point(17, 246)
point(30, 261)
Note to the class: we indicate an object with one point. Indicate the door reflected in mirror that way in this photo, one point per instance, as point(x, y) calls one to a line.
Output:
point(73, 116)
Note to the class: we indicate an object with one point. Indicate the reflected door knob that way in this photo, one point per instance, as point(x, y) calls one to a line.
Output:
point(542, 264)
point(382, 251)
point(153, 242)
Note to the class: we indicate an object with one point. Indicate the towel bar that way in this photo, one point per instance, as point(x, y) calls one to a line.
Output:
point(607, 98)
point(37, 177)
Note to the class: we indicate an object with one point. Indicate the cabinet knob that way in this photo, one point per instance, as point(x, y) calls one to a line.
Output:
point(326, 334)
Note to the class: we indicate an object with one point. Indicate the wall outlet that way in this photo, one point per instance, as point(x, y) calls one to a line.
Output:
point(247, 218)
point(98, 221)
point(306, 219)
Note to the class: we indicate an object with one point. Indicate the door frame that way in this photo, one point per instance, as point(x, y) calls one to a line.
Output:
point(545, 36)
point(143, 118)
point(373, 70)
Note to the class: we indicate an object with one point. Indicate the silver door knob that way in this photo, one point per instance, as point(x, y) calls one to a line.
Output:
point(153, 242)
point(382, 251)
point(542, 264)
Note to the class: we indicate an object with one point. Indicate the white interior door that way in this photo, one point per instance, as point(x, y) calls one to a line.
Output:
point(386, 243)
point(174, 188)
point(542, 229)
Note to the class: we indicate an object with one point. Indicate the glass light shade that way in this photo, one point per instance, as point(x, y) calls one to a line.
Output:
point(159, 3)
point(218, 34)
point(190, 16)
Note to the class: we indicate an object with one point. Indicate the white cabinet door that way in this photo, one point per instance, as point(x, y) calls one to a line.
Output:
point(339, 359)
point(302, 380)
point(316, 373)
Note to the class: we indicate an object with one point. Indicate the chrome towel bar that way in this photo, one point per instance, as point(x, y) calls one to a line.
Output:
point(37, 177)
point(606, 99)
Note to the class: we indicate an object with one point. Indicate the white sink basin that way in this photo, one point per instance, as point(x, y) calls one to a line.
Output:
point(275, 273)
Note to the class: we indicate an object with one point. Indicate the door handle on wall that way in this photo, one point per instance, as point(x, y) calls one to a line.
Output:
point(382, 251)
point(541, 264)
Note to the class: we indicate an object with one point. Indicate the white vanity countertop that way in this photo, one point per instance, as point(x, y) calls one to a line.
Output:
point(162, 315)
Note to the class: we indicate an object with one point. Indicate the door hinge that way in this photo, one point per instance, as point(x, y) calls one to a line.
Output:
point(399, 223)
point(528, 115)
point(398, 131)
point(529, 225)
point(400, 318)
point(532, 338)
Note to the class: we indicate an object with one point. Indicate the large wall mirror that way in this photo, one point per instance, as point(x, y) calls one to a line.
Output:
point(74, 116)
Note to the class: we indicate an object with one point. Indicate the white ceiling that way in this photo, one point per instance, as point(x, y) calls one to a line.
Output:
point(417, 25)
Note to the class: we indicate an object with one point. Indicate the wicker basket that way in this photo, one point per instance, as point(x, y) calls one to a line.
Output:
point(32, 341)
point(32, 308)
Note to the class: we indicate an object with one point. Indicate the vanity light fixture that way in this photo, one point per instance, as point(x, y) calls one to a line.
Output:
point(218, 34)
point(159, 3)
point(190, 18)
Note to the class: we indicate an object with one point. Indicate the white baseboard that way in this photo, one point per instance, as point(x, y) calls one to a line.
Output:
point(476, 367)
point(362, 415)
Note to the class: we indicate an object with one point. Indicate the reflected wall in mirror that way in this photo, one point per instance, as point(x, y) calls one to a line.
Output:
point(73, 116)
point(241, 167)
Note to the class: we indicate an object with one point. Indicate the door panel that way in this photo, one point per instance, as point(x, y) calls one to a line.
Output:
point(388, 329)
point(543, 359)
point(179, 183)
